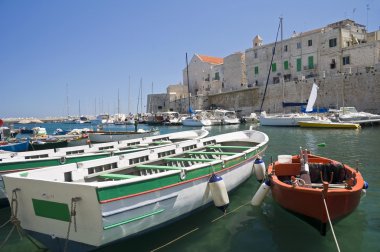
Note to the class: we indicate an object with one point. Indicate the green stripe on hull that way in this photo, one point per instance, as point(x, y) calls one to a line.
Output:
point(133, 219)
point(51, 210)
point(33, 164)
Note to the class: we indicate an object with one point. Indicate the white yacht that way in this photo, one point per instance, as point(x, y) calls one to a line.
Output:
point(226, 116)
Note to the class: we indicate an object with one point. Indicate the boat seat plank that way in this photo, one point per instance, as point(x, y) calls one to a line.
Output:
point(288, 169)
point(116, 176)
point(191, 159)
point(212, 153)
point(229, 147)
point(162, 167)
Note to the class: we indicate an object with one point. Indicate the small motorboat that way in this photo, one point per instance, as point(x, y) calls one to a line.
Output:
point(315, 187)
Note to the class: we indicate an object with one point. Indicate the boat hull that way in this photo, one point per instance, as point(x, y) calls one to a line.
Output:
point(284, 120)
point(163, 206)
point(15, 147)
point(330, 125)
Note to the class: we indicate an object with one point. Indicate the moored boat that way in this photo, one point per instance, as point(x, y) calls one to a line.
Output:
point(285, 119)
point(15, 146)
point(28, 160)
point(328, 124)
point(118, 197)
point(315, 187)
point(112, 136)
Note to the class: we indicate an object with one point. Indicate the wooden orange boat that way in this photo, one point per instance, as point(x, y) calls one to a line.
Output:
point(316, 187)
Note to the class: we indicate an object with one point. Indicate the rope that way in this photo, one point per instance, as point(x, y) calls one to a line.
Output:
point(331, 226)
point(176, 239)
point(195, 229)
point(73, 214)
point(16, 222)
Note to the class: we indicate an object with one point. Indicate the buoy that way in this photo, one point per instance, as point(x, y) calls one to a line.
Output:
point(261, 193)
point(321, 144)
point(365, 186)
point(219, 192)
point(259, 169)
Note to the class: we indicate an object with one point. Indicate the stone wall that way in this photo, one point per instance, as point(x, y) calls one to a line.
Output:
point(360, 89)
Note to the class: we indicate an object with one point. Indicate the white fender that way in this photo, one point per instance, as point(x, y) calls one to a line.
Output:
point(259, 169)
point(219, 192)
point(261, 193)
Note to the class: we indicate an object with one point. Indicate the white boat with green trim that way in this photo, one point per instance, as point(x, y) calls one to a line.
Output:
point(21, 161)
point(117, 197)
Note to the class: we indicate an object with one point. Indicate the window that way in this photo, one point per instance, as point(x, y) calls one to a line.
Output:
point(286, 65)
point(299, 65)
point(274, 67)
point(346, 60)
point(310, 42)
point(255, 54)
point(285, 48)
point(276, 80)
point(217, 76)
point(208, 77)
point(298, 45)
point(256, 70)
point(310, 62)
point(332, 64)
point(332, 42)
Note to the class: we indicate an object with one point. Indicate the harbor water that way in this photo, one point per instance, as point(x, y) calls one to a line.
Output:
point(267, 227)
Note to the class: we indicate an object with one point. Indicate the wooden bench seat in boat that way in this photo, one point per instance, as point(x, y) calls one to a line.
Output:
point(116, 176)
point(211, 153)
point(191, 159)
point(159, 167)
point(229, 147)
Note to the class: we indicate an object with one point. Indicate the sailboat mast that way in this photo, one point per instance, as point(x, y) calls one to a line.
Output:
point(129, 93)
point(67, 99)
point(79, 108)
point(188, 82)
point(270, 68)
point(282, 66)
point(118, 102)
point(138, 99)
point(150, 100)
point(141, 105)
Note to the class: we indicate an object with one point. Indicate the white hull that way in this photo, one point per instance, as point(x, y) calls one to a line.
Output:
point(196, 123)
point(284, 120)
point(103, 215)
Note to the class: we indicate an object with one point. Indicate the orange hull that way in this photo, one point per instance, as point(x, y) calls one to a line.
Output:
point(308, 201)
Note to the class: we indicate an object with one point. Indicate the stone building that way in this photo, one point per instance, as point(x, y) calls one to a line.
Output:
point(234, 70)
point(337, 48)
point(205, 75)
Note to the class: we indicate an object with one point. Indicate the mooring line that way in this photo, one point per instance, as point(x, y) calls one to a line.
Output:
point(176, 239)
point(331, 226)
point(230, 212)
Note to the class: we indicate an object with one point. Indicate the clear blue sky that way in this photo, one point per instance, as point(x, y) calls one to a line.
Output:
point(93, 46)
